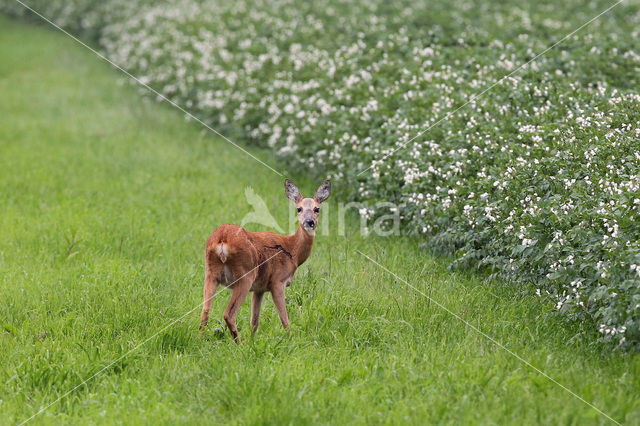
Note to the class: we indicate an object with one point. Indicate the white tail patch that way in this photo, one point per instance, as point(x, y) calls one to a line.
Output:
point(223, 252)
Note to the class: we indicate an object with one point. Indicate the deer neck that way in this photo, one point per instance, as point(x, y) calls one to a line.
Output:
point(300, 245)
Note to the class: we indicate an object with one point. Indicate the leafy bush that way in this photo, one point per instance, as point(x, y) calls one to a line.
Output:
point(536, 180)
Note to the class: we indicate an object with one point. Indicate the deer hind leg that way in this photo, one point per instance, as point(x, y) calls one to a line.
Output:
point(256, 304)
point(240, 291)
point(211, 283)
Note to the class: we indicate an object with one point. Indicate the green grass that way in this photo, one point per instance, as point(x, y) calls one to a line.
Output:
point(106, 201)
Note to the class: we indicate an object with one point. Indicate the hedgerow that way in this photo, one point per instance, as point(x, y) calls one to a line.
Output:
point(536, 180)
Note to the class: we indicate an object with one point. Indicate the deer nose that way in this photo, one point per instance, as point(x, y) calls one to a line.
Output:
point(310, 223)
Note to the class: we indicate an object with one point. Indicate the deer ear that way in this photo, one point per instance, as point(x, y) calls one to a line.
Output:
point(323, 192)
point(292, 191)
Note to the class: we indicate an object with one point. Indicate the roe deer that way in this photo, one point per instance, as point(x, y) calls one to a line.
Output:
point(259, 261)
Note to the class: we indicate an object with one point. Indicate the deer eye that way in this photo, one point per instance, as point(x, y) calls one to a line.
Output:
point(299, 209)
point(316, 210)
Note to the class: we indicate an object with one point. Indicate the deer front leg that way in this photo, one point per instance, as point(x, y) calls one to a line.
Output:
point(256, 304)
point(210, 287)
point(240, 291)
point(277, 292)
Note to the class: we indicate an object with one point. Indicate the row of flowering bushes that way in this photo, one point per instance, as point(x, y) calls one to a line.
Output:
point(536, 180)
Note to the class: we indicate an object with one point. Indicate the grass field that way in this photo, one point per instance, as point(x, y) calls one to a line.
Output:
point(105, 204)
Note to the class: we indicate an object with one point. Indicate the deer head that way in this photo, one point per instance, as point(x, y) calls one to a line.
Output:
point(308, 209)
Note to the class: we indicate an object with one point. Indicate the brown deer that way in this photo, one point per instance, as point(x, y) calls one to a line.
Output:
point(259, 261)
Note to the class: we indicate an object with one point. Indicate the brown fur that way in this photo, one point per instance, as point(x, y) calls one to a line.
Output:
point(259, 261)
